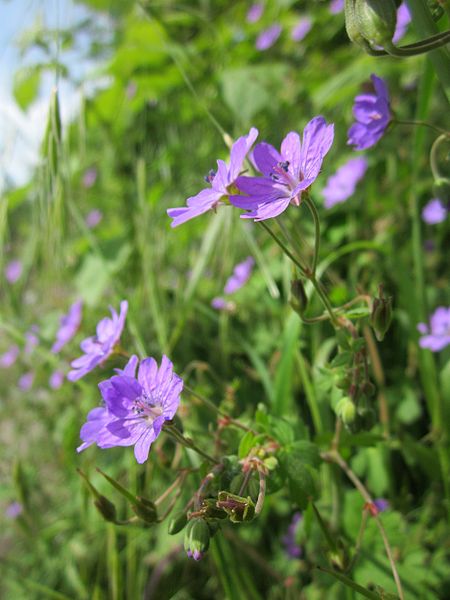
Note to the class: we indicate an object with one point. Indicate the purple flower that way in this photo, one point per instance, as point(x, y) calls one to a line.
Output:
point(221, 304)
point(93, 218)
point(372, 114)
point(254, 13)
point(220, 181)
point(68, 326)
point(9, 357)
point(342, 184)
point(434, 212)
point(240, 276)
point(98, 347)
point(135, 407)
point(403, 20)
point(13, 270)
point(268, 37)
point(301, 29)
point(13, 510)
point(382, 504)
point(131, 90)
point(293, 550)
point(26, 381)
point(56, 380)
point(89, 177)
point(286, 174)
point(336, 6)
point(437, 336)
point(31, 339)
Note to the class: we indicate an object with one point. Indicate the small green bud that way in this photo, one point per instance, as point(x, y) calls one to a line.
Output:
point(177, 523)
point(441, 189)
point(106, 508)
point(346, 411)
point(376, 20)
point(381, 316)
point(299, 300)
point(145, 510)
point(196, 538)
point(352, 26)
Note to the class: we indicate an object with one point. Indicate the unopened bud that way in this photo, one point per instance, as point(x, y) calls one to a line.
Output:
point(376, 20)
point(299, 300)
point(145, 510)
point(177, 523)
point(196, 538)
point(381, 316)
point(238, 508)
point(346, 411)
point(106, 508)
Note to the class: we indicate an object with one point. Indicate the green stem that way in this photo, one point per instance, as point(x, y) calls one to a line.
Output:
point(424, 123)
point(315, 215)
point(310, 394)
point(351, 584)
point(425, 26)
point(187, 442)
point(283, 247)
point(321, 293)
point(325, 529)
point(427, 45)
point(445, 137)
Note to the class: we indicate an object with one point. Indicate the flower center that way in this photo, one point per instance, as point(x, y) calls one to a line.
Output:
point(144, 409)
point(280, 174)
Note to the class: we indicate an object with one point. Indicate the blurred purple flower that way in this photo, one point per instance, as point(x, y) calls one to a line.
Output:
point(9, 357)
point(301, 29)
point(98, 347)
point(26, 381)
point(342, 184)
point(138, 407)
point(93, 218)
point(56, 380)
point(403, 20)
point(221, 304)
point(254, 13)
point(240, 276)
point(437, 336)
point(13, 510)
point(131, 90)
point(286, 174)
point(89, 177)
point(220, 181)
point(336, 6)
point(382, 504)
point(68, 326)
point(434, 212)
point(372, 114)
point(31, 339)
point(13, 270)
point(293, 550)
point(267, 38)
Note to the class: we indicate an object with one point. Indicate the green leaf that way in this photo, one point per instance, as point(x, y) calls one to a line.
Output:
point(284, 376)
point(26, 86)
point(246, 444)
point(299, 462)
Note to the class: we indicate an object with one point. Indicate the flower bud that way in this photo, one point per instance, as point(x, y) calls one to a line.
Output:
point(376, 20)
point(346, 411)
point(352, 26)
point(145, 510)
point(238, 508)
point(106, 508)
point(196, 538)
point(299, 301)
point(441, 189)
point(381, 316)
point(177, 523)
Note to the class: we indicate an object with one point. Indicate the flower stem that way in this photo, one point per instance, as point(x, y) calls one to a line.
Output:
point(284, 247)
point(320, 291)
point(315, 215)
point(445, 137)
point(424, 123)
point(187, 442)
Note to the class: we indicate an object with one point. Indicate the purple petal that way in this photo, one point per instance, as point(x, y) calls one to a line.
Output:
point(266, 157)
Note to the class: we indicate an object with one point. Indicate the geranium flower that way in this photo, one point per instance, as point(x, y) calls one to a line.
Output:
point(136, 407)
point(342, 184)
point(13, 270)
point(434, 212)
point(437, 336)
point(68, 326)
point(286, 174)
point(98, 347)
point(56, 380)
point(336, 6)
point(26, 381)
point(220, 181)
point(372, 114)
point(267, 38)
point(403, 20)
point(292, 548)
point(254, 13)
point(302, 28)
point(93, 218)
point(9, 357)
point(31, 339)
point(241, 274)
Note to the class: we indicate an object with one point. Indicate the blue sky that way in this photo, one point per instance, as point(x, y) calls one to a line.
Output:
point(21, 132)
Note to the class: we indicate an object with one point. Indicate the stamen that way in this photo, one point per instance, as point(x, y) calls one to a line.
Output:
point(209, 178)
